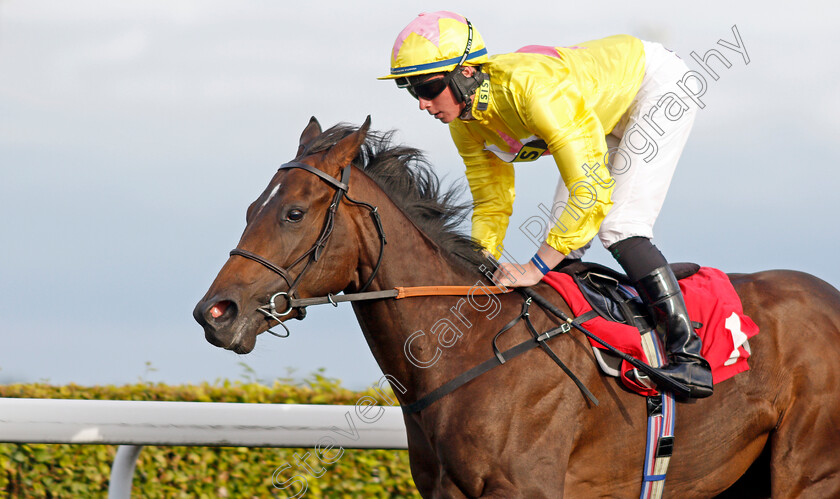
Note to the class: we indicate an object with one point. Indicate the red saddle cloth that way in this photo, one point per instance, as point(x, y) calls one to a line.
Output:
point(711, 300)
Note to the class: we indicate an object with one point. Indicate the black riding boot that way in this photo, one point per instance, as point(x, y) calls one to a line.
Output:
point(662, 295)
point(658, 287)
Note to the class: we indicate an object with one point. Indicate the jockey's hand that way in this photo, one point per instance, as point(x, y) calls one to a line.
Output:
point(517, 276)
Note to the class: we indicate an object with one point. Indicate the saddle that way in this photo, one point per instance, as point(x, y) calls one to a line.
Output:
point(611, 293)
point(623, 319)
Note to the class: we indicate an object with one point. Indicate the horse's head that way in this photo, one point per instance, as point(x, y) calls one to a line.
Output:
point(297, 242)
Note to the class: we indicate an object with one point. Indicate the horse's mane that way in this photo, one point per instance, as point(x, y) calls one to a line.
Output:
point(412, 184)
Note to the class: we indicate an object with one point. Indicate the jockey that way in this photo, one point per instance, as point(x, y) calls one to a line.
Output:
point(610, 114)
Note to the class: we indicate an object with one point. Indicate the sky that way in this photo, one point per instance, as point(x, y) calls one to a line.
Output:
point(133, 136)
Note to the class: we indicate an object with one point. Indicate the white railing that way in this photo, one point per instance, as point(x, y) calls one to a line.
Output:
point(132, 424)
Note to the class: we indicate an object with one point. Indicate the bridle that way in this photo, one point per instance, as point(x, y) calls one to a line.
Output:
point(270, 310)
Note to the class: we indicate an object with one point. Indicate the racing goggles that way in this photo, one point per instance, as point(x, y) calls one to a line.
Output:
point(424, 87)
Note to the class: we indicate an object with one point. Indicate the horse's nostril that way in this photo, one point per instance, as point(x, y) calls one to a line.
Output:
point(220, 312)
point(218, 309)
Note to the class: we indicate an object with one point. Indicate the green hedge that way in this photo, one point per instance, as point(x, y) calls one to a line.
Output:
point(35, 471)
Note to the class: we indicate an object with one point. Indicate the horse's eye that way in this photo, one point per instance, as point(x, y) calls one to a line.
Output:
point(294, 215)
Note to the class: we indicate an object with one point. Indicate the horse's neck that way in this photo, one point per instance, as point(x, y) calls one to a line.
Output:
point(410, 259)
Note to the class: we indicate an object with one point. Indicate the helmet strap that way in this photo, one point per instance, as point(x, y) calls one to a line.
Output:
point(464, 87)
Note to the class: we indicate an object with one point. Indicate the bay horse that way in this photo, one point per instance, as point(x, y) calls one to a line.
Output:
point(521, 430)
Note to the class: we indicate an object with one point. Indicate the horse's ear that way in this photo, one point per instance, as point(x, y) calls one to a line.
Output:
point(343, 152)
point(312, 130)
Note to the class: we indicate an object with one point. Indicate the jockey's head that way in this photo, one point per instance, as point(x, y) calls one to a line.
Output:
point(431, 54)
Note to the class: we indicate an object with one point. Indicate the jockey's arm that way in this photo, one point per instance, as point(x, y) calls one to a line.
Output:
point(492, 187)
point(491, 183)
point(576, 139)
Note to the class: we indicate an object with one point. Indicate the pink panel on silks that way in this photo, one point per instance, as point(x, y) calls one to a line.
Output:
point(515, 145)
point(539, 49)
point(545, 50)
point(427, 26)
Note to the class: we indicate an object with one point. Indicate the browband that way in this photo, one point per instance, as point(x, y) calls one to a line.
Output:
point(341, 185)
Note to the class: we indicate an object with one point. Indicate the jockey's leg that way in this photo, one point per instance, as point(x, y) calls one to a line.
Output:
point(647, 144)
point(659, 289)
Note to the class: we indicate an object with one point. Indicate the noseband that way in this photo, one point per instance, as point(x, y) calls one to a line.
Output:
point(314, 253)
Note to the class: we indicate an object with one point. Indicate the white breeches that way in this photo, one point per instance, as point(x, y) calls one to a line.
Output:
point(644, 147)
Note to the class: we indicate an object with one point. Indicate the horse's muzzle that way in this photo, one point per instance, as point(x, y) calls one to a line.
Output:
point(219, 318)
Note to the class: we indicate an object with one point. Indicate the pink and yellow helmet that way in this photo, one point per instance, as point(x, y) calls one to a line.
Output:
point(435, 42)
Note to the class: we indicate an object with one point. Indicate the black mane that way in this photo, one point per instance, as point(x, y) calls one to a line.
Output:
point(412, 184)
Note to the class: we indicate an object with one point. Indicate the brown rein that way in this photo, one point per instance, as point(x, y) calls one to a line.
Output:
point(397, 293)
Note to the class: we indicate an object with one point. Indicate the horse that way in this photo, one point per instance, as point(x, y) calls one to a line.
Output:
point(357, 214)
